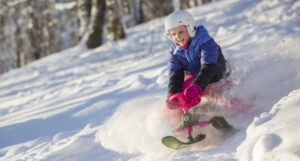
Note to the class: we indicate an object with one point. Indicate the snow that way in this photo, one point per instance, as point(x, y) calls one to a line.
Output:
point(108, 103)
point(273, 135)
point(66, 5)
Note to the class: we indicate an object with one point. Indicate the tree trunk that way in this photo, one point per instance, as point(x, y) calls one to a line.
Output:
point(2, 39)
point(198, 2)
point(18, 41)
point(51, 28)
point(115, 24)
point(95, 28)
point(18, 45)
point(84, 15)
point(152, 9)
point(139, 15)
point(184, 4)
point(35, 30)
point(207, 1)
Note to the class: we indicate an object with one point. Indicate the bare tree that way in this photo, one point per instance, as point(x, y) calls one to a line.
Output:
point(207, 1)
point(84, 15)
point(184, 4)
point(2, 23)
point(28, 30)
point(114, 18)
point(198, 2)
point(17, 35)
point(35, 30)
point(51, 28)
point(138, 12)
point(2, 35)
point(95, 27)
point(2, 69)
point(154, 9)
point(132, 12)
point(31, 29)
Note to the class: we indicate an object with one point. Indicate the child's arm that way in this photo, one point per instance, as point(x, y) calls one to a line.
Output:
point(176, 73)
point(175, 82)
point(206, 74)
point(212, 64)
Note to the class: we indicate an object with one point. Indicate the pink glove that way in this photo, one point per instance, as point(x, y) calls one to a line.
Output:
point(192, 93)
point(173, 104)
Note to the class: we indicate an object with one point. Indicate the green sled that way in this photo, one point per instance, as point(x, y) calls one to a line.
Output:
point(174, 143)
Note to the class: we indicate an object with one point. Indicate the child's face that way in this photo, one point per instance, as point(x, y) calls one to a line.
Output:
point(180, 35)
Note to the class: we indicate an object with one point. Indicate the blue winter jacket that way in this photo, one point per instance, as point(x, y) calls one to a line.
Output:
point(202, 50)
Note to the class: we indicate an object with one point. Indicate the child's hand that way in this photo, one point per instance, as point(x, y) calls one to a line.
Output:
point(192, 93)
point(171, 104)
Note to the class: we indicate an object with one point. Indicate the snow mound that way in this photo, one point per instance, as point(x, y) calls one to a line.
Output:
point(269, 138)
point(136, 127)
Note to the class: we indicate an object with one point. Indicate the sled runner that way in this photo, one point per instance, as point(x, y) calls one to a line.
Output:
point(217, 122)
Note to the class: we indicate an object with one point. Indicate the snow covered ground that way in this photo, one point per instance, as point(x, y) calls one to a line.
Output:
point(108, 103)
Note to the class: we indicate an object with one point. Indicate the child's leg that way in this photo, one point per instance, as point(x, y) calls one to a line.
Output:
point(216, 90)
point(220, 92)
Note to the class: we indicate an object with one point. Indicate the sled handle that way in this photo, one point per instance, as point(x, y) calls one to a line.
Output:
point(181, 101)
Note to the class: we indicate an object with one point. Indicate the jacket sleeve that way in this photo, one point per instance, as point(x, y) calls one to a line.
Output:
point(176, 74)
point(212, 64)
point(175, 82)
point(205, 75)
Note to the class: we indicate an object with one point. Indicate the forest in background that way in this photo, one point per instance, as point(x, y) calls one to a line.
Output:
point(32, 29)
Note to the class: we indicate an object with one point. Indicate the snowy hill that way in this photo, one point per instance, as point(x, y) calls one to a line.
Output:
point(108, 103)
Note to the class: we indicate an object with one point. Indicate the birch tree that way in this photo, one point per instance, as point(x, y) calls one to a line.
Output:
point(115, 24)
point(95, 27)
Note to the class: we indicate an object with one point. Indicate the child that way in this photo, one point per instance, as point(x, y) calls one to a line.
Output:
point(195, 61)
